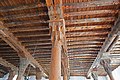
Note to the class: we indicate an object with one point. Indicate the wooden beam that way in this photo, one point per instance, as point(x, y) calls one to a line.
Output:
point(112, 35)
point(12, 24)
point(11, 74)
point(16, 30)
point(15, 44)
point(106, 64)
point(113, 43)
point(21, 7)
point(94, 75)
point(92, 3)
point(77, 28)
point(105, 7)
point(90, 20)
point(7, 64)
point(95, 12)
point(19, 16)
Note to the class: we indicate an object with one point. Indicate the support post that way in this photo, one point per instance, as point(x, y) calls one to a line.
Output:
point(57, 24)
point(55, 73)
point(106, 64)
point(11, 74)
point(65, 77)
point(23, 65)
point(38, 74)
point(94, 75)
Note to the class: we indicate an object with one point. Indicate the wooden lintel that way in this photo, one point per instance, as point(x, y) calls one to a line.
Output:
point(111, 37)
point(15, 44)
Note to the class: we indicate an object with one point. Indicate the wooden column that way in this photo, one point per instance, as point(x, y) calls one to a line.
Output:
point(23, 65)
point(65, 77)
point(94, 75)
point(38, 74)
point(11, 74)
point(55, 69)
point(55, 73)
point(57, 24)
point(106, 64)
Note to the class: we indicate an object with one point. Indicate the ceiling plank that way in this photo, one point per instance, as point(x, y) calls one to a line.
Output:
point(93, 3)
point(22, 7)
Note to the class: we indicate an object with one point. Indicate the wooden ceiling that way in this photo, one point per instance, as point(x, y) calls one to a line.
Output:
point(87, 22)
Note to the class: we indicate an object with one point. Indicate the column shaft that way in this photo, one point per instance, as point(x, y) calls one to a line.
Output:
point(11, 75)
point(55, 73)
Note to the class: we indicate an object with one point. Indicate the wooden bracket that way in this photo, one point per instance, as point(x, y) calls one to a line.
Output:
point(106, 64)
point(109, 41)
point(9, 38)
point(39, 74)
point(24, 62)
point(94, 75)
